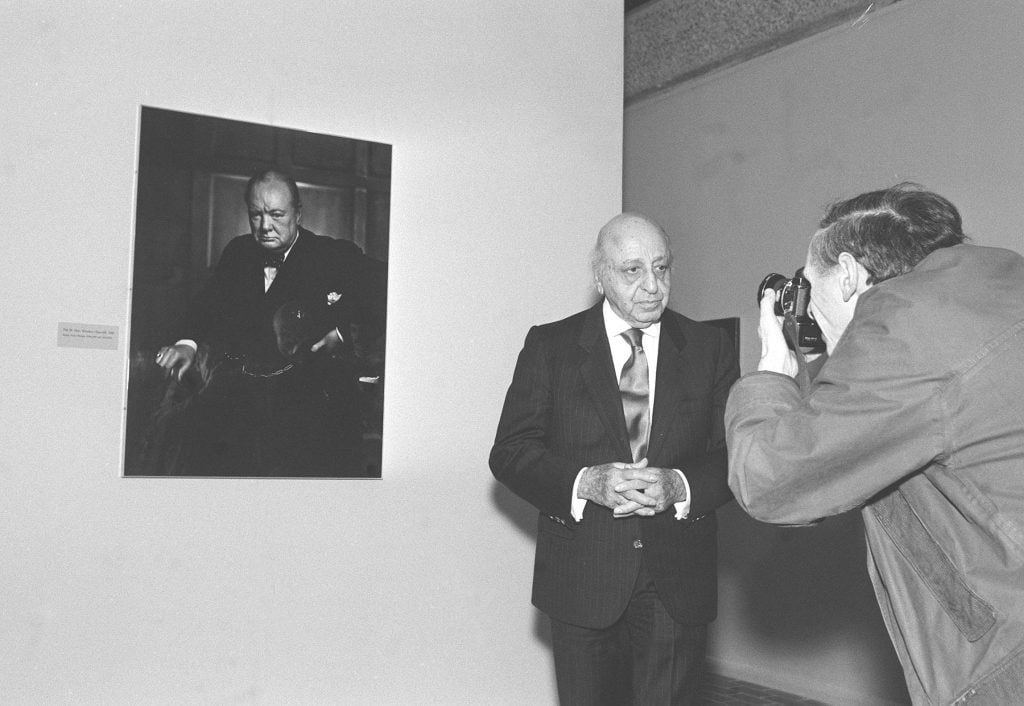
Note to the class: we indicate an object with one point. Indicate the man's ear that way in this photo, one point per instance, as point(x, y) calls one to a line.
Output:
point(853, 277)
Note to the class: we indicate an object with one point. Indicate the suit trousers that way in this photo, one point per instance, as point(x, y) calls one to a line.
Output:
point(645, 658)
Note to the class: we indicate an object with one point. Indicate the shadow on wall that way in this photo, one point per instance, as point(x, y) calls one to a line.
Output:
point(520, 515)
point(797, 591)
point(805, 591)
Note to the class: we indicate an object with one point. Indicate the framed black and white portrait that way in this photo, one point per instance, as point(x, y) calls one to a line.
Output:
point(259, 301)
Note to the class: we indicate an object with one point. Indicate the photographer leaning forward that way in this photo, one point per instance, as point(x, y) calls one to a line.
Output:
point(917, 418)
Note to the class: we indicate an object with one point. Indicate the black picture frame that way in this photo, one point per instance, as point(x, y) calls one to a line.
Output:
point(192, 176)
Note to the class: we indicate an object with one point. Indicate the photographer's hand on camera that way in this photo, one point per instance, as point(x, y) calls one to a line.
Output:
point(776, 356)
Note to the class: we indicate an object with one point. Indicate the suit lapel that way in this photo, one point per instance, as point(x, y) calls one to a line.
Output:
point(671, 383)
point(598, 376)
point(290, 270)
point(248, 271)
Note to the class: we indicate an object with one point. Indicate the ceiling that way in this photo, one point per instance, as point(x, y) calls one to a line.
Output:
point(668, 42)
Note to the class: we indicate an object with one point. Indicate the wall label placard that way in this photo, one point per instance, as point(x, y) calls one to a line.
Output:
point(73, 335)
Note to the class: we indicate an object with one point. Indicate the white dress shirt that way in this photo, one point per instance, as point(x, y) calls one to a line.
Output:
point(269, 273)
point(621, 350)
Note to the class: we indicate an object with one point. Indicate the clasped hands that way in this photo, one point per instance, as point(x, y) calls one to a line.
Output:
point(632, 488)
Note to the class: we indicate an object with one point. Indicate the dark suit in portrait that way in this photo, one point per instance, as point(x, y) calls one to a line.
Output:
point(271, 351)
point(600, 575)
point(233, 310)
point(274, 408)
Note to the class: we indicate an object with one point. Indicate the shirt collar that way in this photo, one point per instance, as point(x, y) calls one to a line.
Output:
point(615, 326)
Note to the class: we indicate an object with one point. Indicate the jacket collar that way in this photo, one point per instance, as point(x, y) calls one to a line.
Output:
point(672, 383)
point(599, 375)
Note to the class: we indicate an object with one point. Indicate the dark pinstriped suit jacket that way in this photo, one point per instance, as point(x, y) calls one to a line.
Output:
point(233, 311)
point(563, 412)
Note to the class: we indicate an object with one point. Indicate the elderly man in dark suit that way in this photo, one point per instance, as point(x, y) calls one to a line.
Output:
point(293, 313)
point(612, 427)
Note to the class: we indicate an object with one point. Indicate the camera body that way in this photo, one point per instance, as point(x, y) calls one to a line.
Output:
point(794, 295)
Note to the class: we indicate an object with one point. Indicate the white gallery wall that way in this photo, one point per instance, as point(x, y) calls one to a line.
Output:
point(739, 165)
point(506, 126)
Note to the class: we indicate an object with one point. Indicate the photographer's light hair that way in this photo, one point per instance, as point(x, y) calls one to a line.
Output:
point(887, 231)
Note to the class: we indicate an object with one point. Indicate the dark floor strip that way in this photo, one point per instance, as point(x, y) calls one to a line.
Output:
point(723, 690)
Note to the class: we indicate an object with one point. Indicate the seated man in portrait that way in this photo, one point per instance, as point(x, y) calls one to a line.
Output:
point(270, 353)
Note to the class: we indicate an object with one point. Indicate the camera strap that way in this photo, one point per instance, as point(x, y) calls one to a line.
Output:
point(806, 370)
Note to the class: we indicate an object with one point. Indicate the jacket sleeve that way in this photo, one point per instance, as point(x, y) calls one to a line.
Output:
point(521, 457)
point(350, 294)
point(873, 416)
point(210, 314)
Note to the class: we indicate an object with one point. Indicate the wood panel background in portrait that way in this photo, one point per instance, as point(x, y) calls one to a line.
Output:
point(230, 415)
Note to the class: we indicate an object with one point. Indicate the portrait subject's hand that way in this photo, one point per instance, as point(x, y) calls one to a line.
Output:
point(329, 343)
point(176, 360)
point(598, 484)
point(649, 490)
point(776, 356)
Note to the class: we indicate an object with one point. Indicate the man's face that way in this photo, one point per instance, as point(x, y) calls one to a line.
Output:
point(827, 306)
point(635, 274)
point(273, 218)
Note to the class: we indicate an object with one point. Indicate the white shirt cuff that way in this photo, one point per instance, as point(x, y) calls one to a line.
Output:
point(578, 503)
point(683, 508)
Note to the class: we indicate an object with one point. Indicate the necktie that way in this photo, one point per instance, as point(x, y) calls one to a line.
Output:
point(273, 260)
point(635, 389)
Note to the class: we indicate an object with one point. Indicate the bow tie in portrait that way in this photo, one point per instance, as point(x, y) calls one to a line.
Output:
point(273, 260)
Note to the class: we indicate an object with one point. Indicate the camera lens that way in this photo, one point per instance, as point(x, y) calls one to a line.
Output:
point(773, 281)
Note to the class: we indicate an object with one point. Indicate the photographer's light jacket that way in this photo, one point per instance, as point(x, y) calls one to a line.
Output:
point(917, 418)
